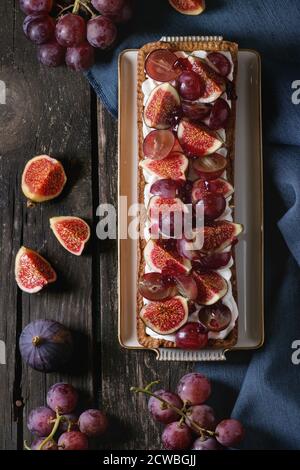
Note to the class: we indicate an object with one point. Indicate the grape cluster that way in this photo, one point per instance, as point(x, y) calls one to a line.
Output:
point(190, 423)
point(59, 427)
point(70, 33)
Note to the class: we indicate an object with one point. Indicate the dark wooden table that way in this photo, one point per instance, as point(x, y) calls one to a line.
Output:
point(56, 112)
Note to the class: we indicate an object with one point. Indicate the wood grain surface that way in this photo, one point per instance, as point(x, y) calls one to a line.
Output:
point(56, 112)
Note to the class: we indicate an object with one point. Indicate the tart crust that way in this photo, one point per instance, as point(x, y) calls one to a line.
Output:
point(190, 46)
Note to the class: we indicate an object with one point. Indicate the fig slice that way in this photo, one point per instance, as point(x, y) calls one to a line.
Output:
point(161, 107)
point(215, 84)
point(219, 235)
point(197, 140)
point(165, 317)
point(43, 178)
point(211, 287)
point(159, 259)
point(174, 167)
point(188, 7)
point(202, 187)
point(71, 232)
point(32, 271)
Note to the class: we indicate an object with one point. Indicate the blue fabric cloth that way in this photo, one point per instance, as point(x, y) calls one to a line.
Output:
point(261, 388)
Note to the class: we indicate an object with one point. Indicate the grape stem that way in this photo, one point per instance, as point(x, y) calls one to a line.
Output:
point(76, 7)
point(183, 412)
point(84, 5)
point(54, 429)
point(63, 9)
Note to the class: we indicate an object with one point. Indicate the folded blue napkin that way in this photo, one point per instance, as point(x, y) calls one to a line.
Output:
point(260, 388)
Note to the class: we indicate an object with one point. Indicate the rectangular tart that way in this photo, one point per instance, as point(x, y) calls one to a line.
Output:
point(146, 336)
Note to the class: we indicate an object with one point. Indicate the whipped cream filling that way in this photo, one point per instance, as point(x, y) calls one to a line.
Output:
point(228, 300)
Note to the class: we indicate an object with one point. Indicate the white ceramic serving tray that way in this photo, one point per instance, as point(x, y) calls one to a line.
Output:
point(248, 209)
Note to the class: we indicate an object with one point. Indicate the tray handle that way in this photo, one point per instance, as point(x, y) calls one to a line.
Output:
point(165, 354)
point(191, 38)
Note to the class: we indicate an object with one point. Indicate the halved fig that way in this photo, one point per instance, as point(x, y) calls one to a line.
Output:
point(159, 65)
point(72, 232)
point(219, 235)
point(211, 166)
point(215, 84)
point(188, 7)
point(174, 167)
point(211, 287)
point(197, 140)
point(202, 187)
point(32, 271)
point(154, 286)
point(214, 205)
point(159, 259)
point(165, 317)
point(43, 178)
point(158, 144)
point(162, 105)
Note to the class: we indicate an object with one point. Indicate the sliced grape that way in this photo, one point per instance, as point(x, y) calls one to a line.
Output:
point(213, 262)
point(195, 111)
point(215, 318)
point(214, 205)
point(211, 166)
point(191, 336)
point(190, 85)
point(219, 115)
point(153, 286)
point(221, 63)
point(186, 249)
point(183, 63)
point(187, 286)
point(158, 144)
point(167, 188)
point(159, 65)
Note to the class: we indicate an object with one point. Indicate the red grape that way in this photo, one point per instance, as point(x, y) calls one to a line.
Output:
point(124, 15)
point(213, 261)
point(153, 286)
point(70, 30)
point(230, 432)
point(51, 54)
point(81, 57)
point(69, 422)
point(191, 336)
point(73, 440)
point(219, 115)
point(93, 423)
point(62, 397)
point(190, 85)
point(108, 7)
point(221, 63)
point(101, 32)
point(215, 317)
point(159, 65)
point(203, 415)
point(194, 388)
point(158, 410)
point(50, 445)
point(39, 421)
point(186, 248)
point(166, 188)
point(211, 166)
point(187, 286)
point(214, 205)
point(208, 444)
point(35, 6)
point(195, 111)
point(158, 144)
point(39, 27)
point(177, 436)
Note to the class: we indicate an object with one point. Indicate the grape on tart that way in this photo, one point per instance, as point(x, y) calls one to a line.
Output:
point(187, 296)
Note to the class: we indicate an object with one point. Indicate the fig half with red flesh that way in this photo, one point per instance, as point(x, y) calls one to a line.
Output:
point(159, 259)
point(174, 167)
point(72, 232)
point(211, 166)
point(211, 287)
point(214, 83)
point(161, 106)
point(188, 7)
point(202, 187)
point(165, 317)
point(219, 235)
point(197, 140)
point(32, 271)
point(43, 178)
